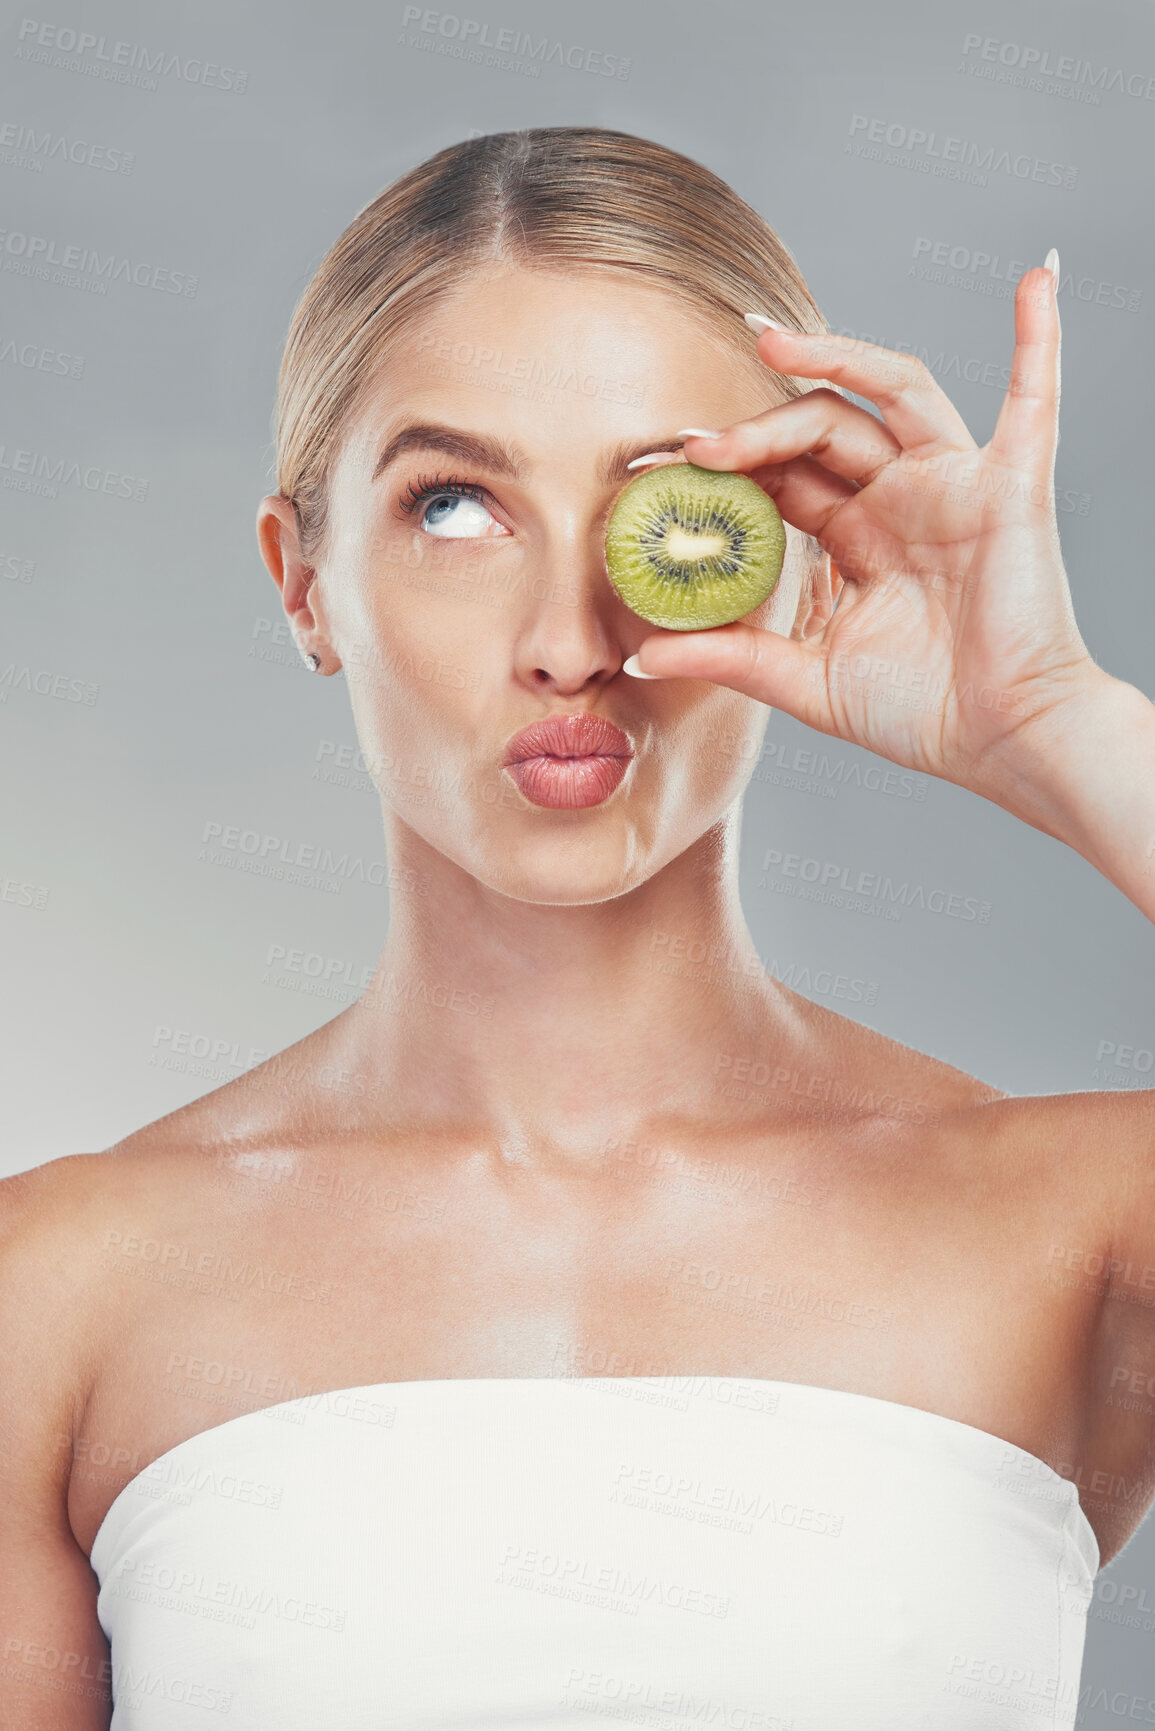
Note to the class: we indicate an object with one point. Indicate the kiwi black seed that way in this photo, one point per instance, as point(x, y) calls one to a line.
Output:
point(689, 548)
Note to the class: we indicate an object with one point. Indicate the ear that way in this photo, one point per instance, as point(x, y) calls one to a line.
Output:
point(818, 603)
point(278, 539)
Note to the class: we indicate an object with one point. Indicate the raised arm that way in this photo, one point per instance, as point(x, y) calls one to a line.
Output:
point(1091, 783)
point(55, 1670)
point(953, 648)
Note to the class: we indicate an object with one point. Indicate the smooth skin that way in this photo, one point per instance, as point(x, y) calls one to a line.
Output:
point(523, 1151)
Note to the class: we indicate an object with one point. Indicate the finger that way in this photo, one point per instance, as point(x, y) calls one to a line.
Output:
point(807, 495)
point(1026, 434)
point(845, 438)
point(811, 499)
point(914, 406)
point(761, 664)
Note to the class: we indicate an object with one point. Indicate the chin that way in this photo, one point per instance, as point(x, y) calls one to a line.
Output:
point(560, 874)
point(543, 895)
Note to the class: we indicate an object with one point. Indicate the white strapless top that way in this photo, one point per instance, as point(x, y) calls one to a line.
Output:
point(680, 1553)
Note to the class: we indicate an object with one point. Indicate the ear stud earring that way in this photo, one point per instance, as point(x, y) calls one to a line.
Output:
point(314, 660)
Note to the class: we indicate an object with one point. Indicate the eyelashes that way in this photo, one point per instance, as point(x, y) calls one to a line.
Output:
point(427, 487)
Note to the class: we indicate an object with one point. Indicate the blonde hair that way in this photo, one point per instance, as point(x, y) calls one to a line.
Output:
point(550, 197)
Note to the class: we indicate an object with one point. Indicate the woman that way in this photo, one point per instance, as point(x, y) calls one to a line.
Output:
point(490, 1323)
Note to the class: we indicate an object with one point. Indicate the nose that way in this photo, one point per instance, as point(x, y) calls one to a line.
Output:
point(574, 628)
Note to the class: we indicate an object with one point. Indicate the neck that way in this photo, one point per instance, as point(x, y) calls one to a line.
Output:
point(562, 1027)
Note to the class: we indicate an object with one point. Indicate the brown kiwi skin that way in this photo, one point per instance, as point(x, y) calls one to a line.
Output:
point(690, 595)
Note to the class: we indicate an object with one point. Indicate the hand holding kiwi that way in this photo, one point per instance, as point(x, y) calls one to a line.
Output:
point(940, 633)
point(690, 548)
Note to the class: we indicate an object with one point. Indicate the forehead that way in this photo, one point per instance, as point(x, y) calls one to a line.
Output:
point(559, 360)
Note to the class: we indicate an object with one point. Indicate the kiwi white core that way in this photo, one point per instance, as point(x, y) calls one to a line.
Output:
point(682, 544)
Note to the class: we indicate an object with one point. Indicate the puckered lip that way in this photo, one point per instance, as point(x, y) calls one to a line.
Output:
point(568, 736)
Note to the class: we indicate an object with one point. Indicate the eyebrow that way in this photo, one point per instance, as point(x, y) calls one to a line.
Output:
point(505, 459)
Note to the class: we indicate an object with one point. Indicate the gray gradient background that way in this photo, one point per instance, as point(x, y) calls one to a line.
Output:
point(201, 716)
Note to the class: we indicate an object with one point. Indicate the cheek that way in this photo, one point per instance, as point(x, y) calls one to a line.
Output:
point(439, 596)
point(408, 691)
point(411, 728)
point(407, 625)
point(721, 744)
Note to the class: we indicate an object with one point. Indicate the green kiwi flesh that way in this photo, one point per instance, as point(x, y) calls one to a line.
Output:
point(690, 548)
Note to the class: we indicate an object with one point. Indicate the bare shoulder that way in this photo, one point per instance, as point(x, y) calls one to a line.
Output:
point(47, 1216)
point(1100, 1142)
point(50, 1319)
point(1103, 1142)
point(1086, 1157)
point(46, 1584)
point(61, 1221)
point(280, 1100)
point(855, 1069)
point(73, 1229)
point(54, 1222)
point(1078, 1167)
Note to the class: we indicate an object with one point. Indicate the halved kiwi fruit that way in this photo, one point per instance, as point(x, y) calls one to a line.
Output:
point(688, 548)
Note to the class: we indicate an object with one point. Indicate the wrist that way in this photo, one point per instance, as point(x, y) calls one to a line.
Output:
point(1079, 769)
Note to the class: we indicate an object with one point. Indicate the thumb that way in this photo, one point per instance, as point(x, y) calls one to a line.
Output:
point(772, 669)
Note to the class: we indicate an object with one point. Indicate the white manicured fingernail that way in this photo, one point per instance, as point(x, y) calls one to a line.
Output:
point(654, 457)
point(698, 433)
point(1051, 263)
point(758, 323)
point(630, 665)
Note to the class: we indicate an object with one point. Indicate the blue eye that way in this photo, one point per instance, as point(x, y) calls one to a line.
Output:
point(456, 515)
point(453, 509)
